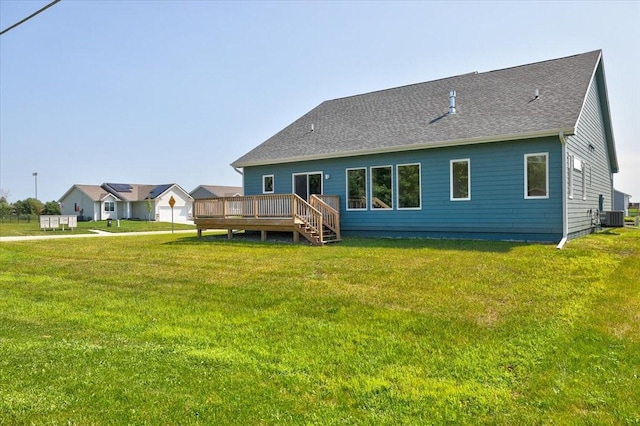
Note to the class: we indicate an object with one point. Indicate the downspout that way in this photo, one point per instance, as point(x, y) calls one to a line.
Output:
point(241, 173)
point(565, 216)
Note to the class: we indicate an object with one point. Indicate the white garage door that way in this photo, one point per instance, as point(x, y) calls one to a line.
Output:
point(180, 214)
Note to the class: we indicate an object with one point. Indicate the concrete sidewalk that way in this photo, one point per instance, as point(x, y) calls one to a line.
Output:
point(96, 233)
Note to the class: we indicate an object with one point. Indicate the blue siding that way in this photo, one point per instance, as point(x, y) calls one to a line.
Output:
point(597, 172)
point(497, 209)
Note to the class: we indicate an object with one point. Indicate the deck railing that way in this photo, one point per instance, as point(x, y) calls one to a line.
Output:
point(330, 214)
point(258, 206)
point(331, 200)
point(307, 214)
point(313, 216)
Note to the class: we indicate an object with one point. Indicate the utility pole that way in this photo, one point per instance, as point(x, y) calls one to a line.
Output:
point(35, 175)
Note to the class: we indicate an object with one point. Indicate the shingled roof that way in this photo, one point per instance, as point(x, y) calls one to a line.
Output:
point(219, 190)
point(94, 192)
point(122, 191)
point(490, 106)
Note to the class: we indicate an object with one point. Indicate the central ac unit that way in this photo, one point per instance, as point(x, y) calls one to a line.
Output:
point(613, 219)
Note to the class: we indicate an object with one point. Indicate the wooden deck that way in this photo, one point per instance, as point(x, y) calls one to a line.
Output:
point(317, 220)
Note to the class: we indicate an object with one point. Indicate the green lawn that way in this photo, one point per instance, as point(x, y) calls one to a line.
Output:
point(22, 228)
point(169, 329)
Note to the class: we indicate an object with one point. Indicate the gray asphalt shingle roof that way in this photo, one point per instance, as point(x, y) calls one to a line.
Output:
point(220, 190)
point(94, 192)
point(123, 191)
point(490, 106)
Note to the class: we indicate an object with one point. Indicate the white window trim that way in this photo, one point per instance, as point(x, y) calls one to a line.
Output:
point(371, 188)
point(273, 184)
point(526, 183)
point(366, 189)
point(419, 186)
point(459, 160)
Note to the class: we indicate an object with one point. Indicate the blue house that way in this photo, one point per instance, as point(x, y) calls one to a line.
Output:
point(523, 153)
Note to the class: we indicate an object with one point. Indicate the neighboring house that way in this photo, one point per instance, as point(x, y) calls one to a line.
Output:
point(127, 201)
point(215, 191)
point(522, 153)
point(621, 201)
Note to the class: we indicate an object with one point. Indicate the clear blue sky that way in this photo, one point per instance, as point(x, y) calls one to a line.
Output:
point(174, 91)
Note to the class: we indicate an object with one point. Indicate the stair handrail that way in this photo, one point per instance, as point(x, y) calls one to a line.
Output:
point(309, 215)
point(331, 216)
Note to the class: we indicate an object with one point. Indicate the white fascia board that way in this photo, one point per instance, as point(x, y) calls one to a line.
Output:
point(585, 95)
point(115, 198)
point(413, 147)
point(174, 185)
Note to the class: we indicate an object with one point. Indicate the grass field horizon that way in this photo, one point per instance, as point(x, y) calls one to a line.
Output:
point(170, 329)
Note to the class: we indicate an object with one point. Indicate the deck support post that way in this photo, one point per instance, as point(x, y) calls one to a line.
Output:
point(229, 234)
point(296, 237)
point(263, 235)
point(199, 233)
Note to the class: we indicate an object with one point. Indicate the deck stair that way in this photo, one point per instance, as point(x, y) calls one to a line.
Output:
point(313, 236)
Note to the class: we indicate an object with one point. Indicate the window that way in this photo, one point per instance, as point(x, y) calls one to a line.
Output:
point(267, 184)
point(307, 184)
point(460, 187)
point(408, 178)
point(109, 206)
point(381, 188)
point(536, 175)
point(356, 189)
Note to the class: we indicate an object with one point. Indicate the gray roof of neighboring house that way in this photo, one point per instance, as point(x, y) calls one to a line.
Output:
point(136, 192)
point(123, 191)
point(219, 191)
point(94, 192)
point(490, 106)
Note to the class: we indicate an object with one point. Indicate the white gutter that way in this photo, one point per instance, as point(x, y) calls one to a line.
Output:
point(403, 148)
point(565, 216)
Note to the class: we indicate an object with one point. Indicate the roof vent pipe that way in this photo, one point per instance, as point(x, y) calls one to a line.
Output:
point(537, 93)
point(452, 102)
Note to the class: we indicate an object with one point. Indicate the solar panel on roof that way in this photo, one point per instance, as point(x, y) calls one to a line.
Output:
point(158, 190)
point(120, 187)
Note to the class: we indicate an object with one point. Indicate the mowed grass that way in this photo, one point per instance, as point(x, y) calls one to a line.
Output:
point(32, 228)
point(169, 329)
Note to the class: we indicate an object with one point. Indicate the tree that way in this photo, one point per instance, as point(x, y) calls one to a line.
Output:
point(28, 206)
point(5, 208)
point(4, 195)
point(149, 209)
point(51, 207)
